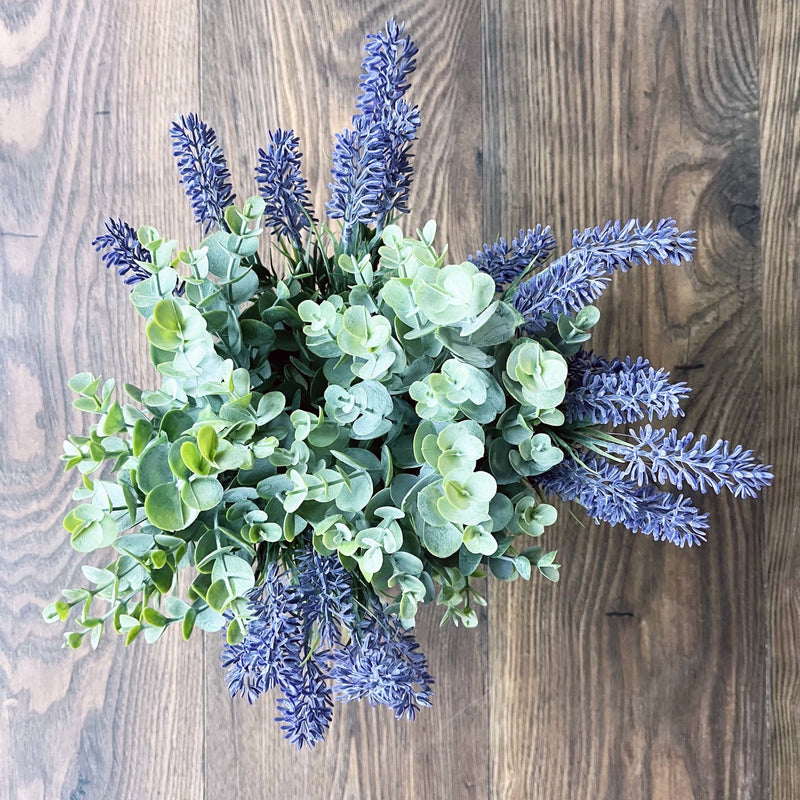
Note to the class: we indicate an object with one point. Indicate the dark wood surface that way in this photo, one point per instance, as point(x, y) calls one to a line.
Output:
point(648, 672)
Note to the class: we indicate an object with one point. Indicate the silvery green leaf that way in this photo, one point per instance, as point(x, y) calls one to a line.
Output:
point(464, 349)
point(440, 541)
point(468, 561)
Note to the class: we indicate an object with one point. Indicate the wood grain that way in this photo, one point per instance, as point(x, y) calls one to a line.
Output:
point(307, 67)
point(86, 91)
point(643, 673)
point(648, 672)
point(779, 59)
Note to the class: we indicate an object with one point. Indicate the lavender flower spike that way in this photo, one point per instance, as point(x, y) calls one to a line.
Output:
point(271, 652)
point(664, 457)
point(390, 120)
point(608, 497)
point(372, 163)
point(327, 596)
point(122, 250)
point(203, 170)
point(282, 186)
point(505, 263)
point(358, 179)
point(306, 708)
point(387, 66)
point(616, 391)
point(382, 662)
point(579, 277)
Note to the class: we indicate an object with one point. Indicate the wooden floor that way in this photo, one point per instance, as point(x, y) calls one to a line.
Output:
point(648, 672)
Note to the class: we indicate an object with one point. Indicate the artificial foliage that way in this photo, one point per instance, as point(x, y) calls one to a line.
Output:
point(351, 424)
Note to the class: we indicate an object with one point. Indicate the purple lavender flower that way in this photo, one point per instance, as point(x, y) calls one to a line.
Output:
point(358, 178)
point(282, 186)
point(387, 66)
point(602, 391)
point(270, 654)
point(275, 653)
point(372, 163)
point(665, 457)
point(579, 277)
point(390, 120)
point(398, 133)
point(505, 263)
point(203, 170)
point(382, 662)
point(327, 595)
point(622, 246)
point(608, 497)
point(306, 708)
point(122, 250)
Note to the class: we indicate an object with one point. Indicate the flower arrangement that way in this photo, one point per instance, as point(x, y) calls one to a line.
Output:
point(349, 426)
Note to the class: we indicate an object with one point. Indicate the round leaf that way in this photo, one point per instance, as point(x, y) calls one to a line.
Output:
point(165, 509)
point(202, 494)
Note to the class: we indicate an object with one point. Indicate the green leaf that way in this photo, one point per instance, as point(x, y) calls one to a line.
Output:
point(456, 292)
point(142, 431)
point(292, 526)
point(502, 568)
point(113, 422)
point(152, 634)
point(269, 406)
point(523, 567)
point(219, 595)
point(61, 609)
point(501, 510)
point(175, 423)
point(478, 540)
point(427, 504)
point(236, 572)
point(132, 634)
point(166, 510)
point(99, 577)
point(163, 578)
point(136, 544)
point(188, 623)
point(88, 404)
point(547, 567)
point(90, 528)
point(191, 456)
point(235, 633)
point(441, 541)
point(406, 563)
point(154, 468)
point(356, 495)
point(496, 327)
point(149, 292)
point(84, 383)
point(202, 494)
point(468, 562)
point(153, 617)
point(408, 606)
point(371, 560)
point(207, 442)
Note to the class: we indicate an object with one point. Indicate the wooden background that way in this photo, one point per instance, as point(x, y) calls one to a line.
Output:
point(648, 672)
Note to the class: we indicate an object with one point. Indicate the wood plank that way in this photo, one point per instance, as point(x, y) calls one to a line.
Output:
point(593, 111)
point(779, 60)
point(87, 90)
point(269, 65)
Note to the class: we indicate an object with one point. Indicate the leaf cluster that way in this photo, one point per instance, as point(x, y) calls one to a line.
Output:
point(376, 401)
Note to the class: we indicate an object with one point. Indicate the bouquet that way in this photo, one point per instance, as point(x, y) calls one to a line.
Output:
point(349, 425)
